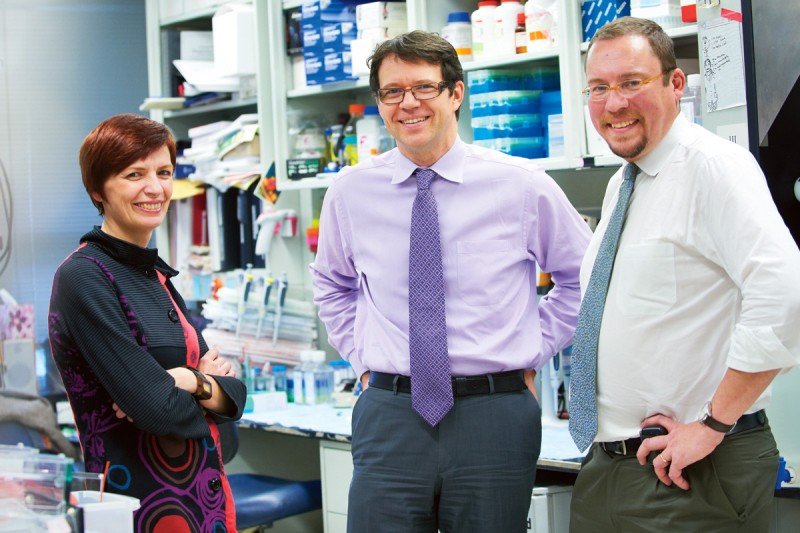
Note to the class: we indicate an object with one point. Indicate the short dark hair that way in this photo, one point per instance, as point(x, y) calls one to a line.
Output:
point(117, 142)
point(418, 47)
point(660, 42)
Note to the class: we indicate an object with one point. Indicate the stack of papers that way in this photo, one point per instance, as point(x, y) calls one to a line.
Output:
point(162, 102)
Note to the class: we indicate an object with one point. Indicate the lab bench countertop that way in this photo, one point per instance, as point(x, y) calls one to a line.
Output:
point(332, 423)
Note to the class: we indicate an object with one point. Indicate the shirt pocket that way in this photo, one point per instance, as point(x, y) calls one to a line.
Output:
point(645, 276)
point(480, 269)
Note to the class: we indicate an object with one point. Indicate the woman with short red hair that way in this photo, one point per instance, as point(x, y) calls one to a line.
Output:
point(146, 403)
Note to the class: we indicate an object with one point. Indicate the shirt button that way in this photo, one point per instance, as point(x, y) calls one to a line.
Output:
point(172, 315)
point(215, 484)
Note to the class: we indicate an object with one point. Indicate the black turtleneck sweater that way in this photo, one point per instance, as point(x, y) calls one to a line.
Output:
point(114, 332)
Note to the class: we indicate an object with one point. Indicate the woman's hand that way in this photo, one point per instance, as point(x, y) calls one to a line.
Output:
point(213, 365)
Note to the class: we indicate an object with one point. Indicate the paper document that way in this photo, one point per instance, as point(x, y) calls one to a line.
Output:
point(203, 76)
point(722, 63)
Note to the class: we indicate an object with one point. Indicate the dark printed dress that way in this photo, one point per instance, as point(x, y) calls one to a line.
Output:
point(116, 324)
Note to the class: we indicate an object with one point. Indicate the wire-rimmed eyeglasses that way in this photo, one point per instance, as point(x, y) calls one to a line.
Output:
point(423, 91)
point(628, 88)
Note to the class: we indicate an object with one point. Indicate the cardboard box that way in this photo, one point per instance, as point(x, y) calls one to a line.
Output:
point(338, 66)
point(294, 32)
point(312, 39)
point(314, 69)
point(337, 36)
point(197, 45)
point(169, 8)
point(318, 12)
point(234, 27)
point(381, 34)
point(381, 15)
point(597, 13)
point(360, 51)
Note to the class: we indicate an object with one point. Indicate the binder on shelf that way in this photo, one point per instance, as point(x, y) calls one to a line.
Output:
point(215, 236)
point(231, 250)
point(249, 207)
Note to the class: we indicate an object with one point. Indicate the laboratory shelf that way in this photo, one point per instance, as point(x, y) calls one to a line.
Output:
point(321, 181)
point(328, 88)
point(607, 160)
point(210, 108)
point(676, 33)
point(518, 59)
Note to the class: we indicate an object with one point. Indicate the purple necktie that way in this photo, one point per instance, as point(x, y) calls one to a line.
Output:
point(431, 386)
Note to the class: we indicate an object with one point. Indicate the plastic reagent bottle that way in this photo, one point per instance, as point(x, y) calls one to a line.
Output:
point(458, 32)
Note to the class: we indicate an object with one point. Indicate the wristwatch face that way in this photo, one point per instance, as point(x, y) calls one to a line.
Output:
point(204, 390)
point(708, 420)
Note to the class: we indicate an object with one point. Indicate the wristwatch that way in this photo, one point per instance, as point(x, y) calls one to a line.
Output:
point(204, 389)
point(707, 420)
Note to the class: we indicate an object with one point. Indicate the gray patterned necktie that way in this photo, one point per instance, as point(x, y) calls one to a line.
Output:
point(431, 386)
point(583, 389)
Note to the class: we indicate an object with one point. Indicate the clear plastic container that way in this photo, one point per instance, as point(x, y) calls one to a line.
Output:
point(691, 101)
point(506, 103)
point(528, 147)
point(279, 373)
point(317, 378)
point(539, 23)
point(500, 126)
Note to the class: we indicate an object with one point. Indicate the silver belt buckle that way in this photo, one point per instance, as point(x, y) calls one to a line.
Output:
point(624, 448)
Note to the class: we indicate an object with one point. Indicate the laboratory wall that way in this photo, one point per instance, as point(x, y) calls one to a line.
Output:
point(64, 66)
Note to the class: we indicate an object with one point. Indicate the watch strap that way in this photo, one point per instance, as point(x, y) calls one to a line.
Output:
point(713, 423)
point(204, 390)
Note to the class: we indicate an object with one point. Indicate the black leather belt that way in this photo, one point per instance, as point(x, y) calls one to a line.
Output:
point(511, 381)
point(630, 446)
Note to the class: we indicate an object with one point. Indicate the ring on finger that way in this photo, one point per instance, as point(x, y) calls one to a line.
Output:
point(663, 459)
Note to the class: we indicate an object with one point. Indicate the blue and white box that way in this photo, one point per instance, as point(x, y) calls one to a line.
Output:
point(318, 12)
point(336, 36)
point(338, 67)
point(597, 13)
point(315, 72)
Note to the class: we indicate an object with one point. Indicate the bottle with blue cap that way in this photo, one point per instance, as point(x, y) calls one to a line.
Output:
point(458, 32)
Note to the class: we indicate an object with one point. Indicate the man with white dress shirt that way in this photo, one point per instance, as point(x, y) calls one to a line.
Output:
point(425, 280)
point(701, 313)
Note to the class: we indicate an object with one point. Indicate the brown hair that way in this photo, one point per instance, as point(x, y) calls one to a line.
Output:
point(416, 47)
point(116, 143)
point(660, 42)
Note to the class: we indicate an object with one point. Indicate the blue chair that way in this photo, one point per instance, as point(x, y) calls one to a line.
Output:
point(261, 500)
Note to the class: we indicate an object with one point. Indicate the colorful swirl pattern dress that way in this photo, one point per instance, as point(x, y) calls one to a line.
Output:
point(116, 323)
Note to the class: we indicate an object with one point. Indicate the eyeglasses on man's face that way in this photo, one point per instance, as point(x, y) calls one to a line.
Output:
point(423, 91)
point(628, 88)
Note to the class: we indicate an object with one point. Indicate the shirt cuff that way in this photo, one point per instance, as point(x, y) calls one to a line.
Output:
point(759, 350)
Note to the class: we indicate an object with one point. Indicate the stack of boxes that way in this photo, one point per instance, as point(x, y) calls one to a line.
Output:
point(511, 109)
point(376, 22)
point(666, 13)
point(328, 27)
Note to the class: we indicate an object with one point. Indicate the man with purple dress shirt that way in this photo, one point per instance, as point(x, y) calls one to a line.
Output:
point(425, 280)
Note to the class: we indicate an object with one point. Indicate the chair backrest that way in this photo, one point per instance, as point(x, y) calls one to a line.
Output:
point(229, 440)
point(12, 432)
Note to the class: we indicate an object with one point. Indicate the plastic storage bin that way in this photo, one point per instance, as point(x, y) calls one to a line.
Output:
point(98, 515)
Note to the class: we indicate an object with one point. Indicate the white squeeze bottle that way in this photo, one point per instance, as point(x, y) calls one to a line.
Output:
point(505, 18)
point(368, 133)
point(483, 29)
